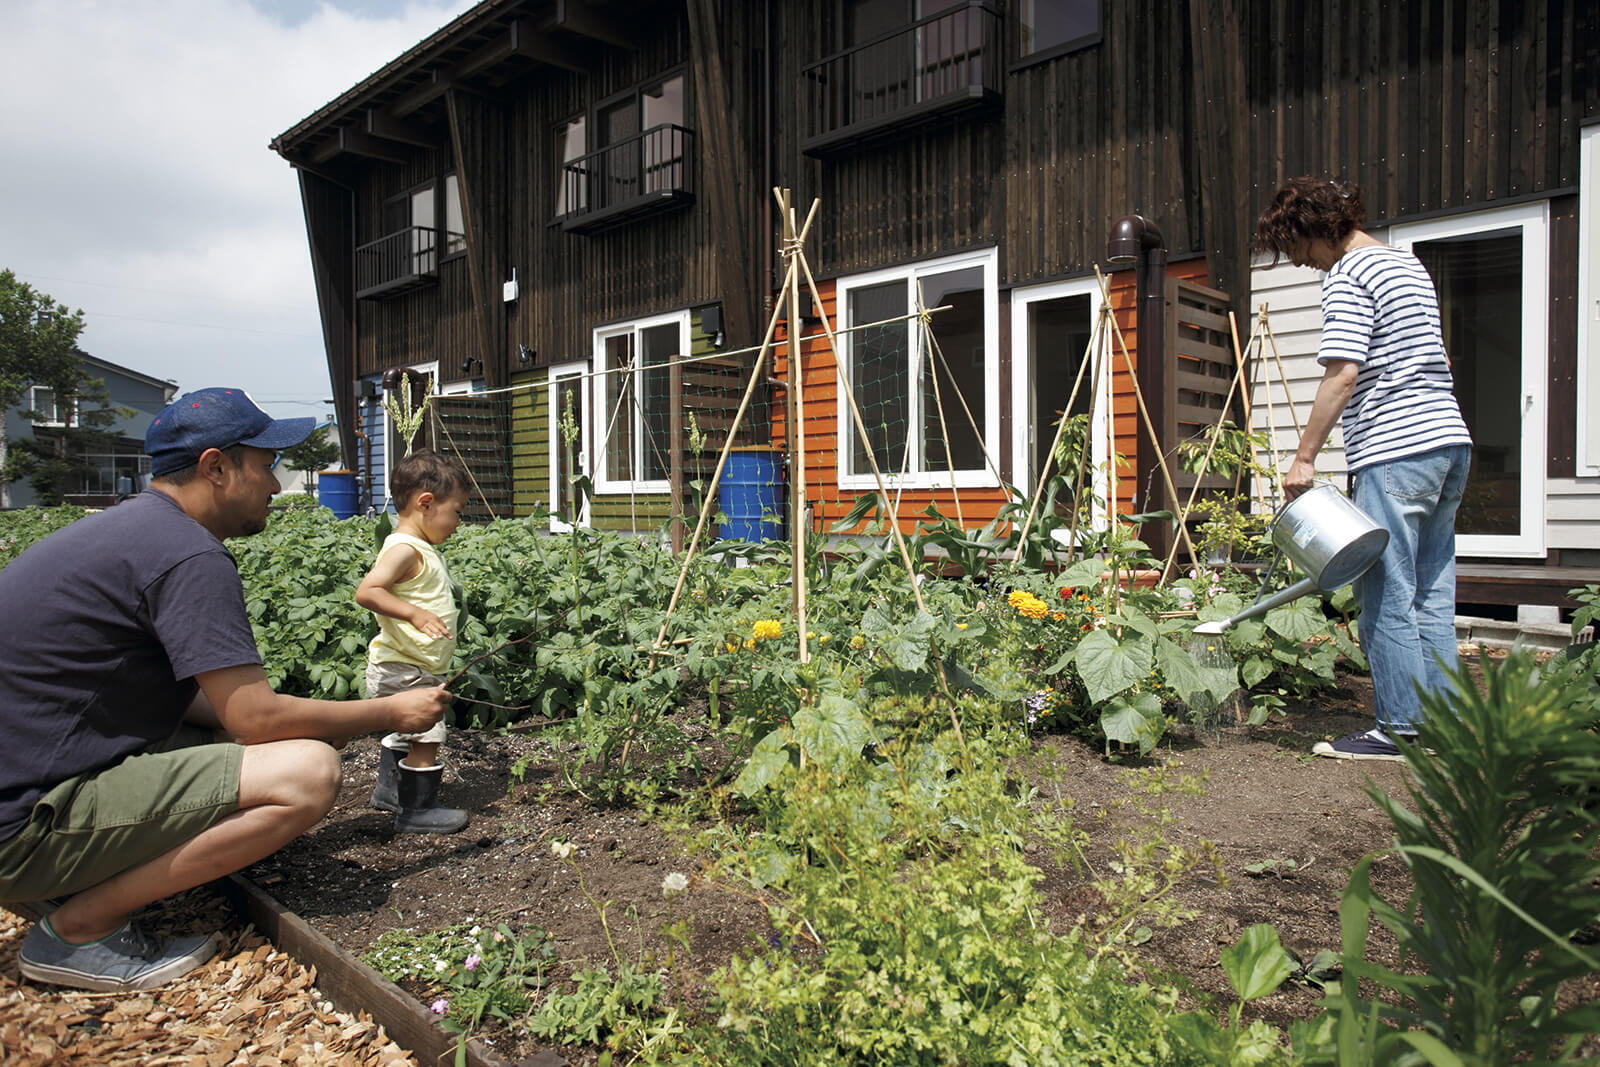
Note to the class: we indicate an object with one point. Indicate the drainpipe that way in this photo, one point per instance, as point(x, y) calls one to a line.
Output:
point(768, 269)
point(1135, 239)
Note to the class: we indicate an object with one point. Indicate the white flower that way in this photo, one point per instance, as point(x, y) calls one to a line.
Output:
point(674, 883)
point(440, 966)
point(562, 849)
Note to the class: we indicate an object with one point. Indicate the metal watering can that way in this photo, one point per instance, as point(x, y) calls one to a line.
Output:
point(1326, 536)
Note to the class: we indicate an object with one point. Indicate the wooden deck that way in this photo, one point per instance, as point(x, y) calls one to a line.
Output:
point(1495, 583)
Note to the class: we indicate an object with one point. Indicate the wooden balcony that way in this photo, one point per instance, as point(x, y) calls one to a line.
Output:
point(404, 260)
point(647, 173)
point(937, 68)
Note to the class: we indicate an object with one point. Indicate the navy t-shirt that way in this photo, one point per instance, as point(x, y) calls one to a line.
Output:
point(107, 622)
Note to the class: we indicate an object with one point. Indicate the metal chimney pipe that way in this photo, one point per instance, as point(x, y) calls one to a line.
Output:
point(1135, 239)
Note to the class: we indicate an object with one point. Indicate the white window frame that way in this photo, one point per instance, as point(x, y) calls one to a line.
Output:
point(845, 428)
point(601, 431)
point(1588, 406)
point(55, 406)
point(559, 373)
point(1026, 422)
point(1534, 222)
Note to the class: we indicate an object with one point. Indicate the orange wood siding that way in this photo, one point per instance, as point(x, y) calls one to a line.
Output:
point(978, 505)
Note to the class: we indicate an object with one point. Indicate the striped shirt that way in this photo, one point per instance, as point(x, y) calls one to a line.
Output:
point(1379, 310)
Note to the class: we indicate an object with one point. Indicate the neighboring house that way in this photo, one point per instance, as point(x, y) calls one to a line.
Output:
point(544, 192)
point(121, 467)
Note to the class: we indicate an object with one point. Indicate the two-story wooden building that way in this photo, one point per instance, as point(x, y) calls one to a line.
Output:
point(551, 205)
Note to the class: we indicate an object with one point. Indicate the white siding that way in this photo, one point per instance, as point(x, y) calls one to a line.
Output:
point(1572, 513)
point(1280, 399)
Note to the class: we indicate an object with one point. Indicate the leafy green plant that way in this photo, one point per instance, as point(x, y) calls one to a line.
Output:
point(1499, 832)
point(24, 526)
point(908, 927)
point(469, 971)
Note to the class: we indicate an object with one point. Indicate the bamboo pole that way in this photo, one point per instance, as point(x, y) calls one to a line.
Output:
point(797, 432)
point(1144, 414)
point(1205, 462)
point(938, 401)
point(877, 474)
point(1055, 442)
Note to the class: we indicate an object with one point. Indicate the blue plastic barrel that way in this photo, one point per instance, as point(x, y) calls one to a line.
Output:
point(751, 495)
point(337, 490)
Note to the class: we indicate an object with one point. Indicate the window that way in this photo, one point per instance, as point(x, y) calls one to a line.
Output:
point(931, 411)
point(1049, 28)
point(419, 211)
point(1490, 270)
point(572, 186)
point(629, 156)
point(632, 363)
point(455, 229)
point(42, 402)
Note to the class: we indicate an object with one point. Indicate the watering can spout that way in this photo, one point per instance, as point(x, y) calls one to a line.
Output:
point(1325, 535)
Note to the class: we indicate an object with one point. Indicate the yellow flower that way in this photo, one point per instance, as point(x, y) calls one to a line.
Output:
point(858, 642)
point(961, 626)
point(824, 639)
point(749, 644)
point(733, 646)
point(766, 628)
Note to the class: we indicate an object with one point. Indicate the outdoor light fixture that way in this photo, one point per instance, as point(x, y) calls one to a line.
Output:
point(525, 354)
point(467, 364)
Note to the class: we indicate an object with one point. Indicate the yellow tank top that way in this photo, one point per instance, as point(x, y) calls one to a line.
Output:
point(429, 589)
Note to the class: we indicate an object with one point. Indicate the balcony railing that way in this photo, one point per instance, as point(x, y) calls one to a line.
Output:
point(648, 172)
point(399, 261)
point(932, 69)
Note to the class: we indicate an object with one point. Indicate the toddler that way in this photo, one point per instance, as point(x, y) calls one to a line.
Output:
point(410, 592)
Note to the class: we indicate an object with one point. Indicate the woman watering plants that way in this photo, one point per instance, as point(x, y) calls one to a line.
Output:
point(1408, 448)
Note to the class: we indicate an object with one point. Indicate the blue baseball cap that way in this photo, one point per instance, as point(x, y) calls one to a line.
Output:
point(215, 418)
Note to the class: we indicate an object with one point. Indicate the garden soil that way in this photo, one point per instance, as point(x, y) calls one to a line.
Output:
point(1286, 827)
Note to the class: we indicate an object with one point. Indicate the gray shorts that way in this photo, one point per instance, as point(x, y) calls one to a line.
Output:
point(390, 677)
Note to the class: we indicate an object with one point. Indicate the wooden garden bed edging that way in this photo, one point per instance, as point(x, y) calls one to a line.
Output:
point(354, 987)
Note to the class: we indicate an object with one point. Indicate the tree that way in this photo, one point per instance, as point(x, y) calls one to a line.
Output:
point(38, 346)
point(312, 455)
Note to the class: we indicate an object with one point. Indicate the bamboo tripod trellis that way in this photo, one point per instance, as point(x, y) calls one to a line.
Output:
point(1106, 330)
point(789, 303)
point(1250, 358)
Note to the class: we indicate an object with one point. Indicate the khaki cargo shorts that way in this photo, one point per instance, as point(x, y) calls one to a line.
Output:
point(390, 677)
point(94, 826)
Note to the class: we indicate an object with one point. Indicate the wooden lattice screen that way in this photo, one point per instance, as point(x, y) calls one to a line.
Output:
point(1200, 367)
point(478, 430)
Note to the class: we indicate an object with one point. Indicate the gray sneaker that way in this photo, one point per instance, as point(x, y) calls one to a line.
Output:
point(128, 959)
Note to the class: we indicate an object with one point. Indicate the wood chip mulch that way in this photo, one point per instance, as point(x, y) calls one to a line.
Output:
point(250, 1005)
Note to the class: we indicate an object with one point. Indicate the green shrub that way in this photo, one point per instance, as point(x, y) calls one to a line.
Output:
point(1500, 834)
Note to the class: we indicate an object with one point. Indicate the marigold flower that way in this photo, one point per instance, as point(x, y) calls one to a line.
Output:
point(749, 644)
point(858, 642)
point(766, 628)
point(1058, 616)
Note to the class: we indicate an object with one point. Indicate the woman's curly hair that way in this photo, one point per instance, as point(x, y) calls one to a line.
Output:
point(1308, 208)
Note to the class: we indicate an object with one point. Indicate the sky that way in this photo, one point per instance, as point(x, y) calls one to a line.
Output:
point(137, 183)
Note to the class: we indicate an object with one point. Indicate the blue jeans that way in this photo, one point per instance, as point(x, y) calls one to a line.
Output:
point(1408, 598)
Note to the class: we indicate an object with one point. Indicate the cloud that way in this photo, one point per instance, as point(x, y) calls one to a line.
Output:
point(139, 185)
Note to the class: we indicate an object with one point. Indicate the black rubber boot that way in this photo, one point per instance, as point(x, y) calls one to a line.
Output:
point(420, 812)
point(386, 794)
